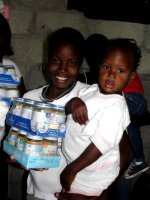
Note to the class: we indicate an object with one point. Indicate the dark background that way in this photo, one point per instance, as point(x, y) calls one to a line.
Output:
point(137, 11)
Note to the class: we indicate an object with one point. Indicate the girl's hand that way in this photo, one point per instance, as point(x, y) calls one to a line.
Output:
point(12, 160)
point(40, 169)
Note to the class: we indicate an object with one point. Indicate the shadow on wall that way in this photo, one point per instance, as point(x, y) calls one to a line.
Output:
point(37, 75)
point(34, 78)
point(45, 58)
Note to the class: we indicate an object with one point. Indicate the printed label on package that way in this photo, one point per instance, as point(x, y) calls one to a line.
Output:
point(31, 162)
point(25, 125)
point(9, 79)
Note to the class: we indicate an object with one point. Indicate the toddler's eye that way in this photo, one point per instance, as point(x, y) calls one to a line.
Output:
point(121, 70)
point(105, 66)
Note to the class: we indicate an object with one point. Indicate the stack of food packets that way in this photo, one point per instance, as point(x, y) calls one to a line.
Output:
point(8, 91)
point(8, 81)
point(36, 128)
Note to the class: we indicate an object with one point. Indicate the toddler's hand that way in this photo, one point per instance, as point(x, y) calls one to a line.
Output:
point(78, 110)
point(66, 177)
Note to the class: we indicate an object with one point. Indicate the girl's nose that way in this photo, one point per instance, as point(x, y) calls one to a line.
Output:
point(62, 66)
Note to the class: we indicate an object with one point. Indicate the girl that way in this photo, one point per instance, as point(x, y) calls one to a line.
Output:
point(65, 55)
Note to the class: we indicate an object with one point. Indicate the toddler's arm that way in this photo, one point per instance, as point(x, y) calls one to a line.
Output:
point(78, 109)
point(90, 155)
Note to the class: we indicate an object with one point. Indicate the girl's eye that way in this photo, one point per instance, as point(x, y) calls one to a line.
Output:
point(74, 62)
point(55, 60)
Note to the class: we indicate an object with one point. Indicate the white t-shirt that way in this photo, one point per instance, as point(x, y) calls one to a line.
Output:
point(44, 184)
point(108, 118)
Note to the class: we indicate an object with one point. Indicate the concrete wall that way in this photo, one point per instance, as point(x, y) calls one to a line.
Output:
point(32, 20)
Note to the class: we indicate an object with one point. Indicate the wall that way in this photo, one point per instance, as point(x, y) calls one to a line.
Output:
point(32, 20)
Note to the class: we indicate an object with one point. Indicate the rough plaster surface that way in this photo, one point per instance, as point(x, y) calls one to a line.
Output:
point(32, 20)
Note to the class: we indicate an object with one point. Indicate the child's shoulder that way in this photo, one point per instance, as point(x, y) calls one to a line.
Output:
point(81, 85)
point(88, 89)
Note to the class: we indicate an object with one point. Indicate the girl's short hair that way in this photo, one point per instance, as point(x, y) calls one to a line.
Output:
point(66, 35)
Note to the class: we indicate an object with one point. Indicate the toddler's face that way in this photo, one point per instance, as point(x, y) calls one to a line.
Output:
point(115, 71)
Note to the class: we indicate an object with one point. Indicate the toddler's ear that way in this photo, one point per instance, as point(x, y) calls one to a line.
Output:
point(132, 76)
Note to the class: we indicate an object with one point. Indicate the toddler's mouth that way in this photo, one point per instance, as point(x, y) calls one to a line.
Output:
point(109, 84)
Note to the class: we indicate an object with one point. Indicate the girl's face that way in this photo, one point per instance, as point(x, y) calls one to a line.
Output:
point(115, 71)
point(64, 66)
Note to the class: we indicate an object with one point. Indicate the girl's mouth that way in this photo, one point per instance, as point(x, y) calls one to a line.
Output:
point(59, 78)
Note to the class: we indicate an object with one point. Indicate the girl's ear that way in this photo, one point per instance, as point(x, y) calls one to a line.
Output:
point(132, 76)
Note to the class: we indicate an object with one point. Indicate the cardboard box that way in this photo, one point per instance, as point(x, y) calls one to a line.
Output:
point(31, 162)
